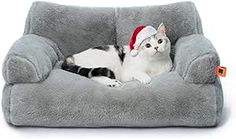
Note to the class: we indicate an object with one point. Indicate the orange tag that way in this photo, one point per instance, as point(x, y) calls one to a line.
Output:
point(220, 71)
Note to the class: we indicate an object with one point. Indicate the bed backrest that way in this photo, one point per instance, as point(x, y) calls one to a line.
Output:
point(75, 29)
point(180, 19)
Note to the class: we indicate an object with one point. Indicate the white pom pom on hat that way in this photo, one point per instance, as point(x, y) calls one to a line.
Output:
point(139, 34)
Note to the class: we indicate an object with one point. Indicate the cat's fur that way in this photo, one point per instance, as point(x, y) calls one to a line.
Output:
point(111, 64)
point(107, 60)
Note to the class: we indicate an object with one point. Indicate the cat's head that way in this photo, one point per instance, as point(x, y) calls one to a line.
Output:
point(156, 46)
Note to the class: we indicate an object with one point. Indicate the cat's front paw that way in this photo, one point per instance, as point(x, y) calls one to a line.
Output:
point(145, 80)
point(114, 83)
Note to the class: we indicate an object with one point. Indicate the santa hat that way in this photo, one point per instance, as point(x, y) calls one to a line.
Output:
point(139, 34)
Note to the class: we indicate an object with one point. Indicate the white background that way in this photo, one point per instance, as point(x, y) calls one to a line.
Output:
point(219, 24)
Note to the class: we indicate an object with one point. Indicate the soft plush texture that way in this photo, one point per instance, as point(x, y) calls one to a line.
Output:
point(30, 59)
point(39, 93)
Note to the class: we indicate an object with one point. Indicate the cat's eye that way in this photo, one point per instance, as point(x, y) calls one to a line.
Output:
point(148, 45)
point(160, 41)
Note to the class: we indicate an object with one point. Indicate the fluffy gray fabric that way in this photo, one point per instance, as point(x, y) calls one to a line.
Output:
point(30, 59)
point(196, 59)
point(39, 93)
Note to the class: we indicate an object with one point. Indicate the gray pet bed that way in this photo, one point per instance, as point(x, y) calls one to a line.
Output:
point(39, 93)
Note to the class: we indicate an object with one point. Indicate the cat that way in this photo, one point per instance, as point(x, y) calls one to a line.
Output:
point(112, 65)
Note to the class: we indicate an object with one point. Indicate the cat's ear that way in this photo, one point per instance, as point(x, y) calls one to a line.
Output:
point(162, 29)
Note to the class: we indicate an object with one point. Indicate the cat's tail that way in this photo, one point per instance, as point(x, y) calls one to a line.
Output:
point(69, 65)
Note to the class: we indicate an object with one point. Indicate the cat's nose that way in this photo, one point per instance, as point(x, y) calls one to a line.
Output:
point(156, 48)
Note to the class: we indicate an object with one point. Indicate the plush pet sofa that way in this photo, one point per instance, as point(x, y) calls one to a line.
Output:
point(39, 93)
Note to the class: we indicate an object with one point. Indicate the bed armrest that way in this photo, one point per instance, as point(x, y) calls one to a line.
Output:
point(30, 59)
point(196, 59)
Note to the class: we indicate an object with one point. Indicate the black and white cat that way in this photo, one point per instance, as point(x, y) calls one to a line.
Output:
point(148, 55)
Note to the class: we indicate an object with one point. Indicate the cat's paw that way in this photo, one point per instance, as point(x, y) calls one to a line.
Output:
point(114, 83)
point(145, 80)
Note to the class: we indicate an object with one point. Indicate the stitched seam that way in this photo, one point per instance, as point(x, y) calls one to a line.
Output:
point(28, 30)
point(15, 55)
point(48, 39)
point(195, 17)
point(48, 43)
point(58, 52)
point(189, 65)
point(115, 25)
point(199, 22)
point(39, 76)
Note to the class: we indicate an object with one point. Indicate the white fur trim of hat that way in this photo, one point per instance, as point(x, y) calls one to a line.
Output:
point(141, 35)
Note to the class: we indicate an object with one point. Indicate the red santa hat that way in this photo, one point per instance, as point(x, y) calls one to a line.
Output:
point(139, 34)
